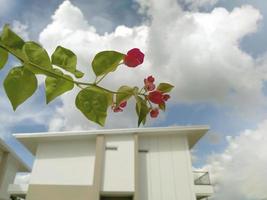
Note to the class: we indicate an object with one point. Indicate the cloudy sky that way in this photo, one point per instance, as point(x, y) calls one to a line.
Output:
point(213, 51)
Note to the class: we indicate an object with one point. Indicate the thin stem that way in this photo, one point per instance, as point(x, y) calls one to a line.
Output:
point(79, 86)
point(141, 90)
point(96, 82)
point(101, 78)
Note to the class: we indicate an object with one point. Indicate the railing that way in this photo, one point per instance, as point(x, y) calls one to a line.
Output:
point(201, 178)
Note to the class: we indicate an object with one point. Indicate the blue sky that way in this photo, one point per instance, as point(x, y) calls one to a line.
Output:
point(230, 97)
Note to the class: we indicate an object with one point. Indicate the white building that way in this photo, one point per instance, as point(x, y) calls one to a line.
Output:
point(10, 164)
point(119, 164)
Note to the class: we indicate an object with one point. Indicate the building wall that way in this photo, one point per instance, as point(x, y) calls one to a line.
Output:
point(64, 163)
point(118, 175)
point(165, 169)
point(160, 170)
point(8, 170)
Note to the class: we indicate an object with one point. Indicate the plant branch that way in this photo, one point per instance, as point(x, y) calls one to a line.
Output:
point(78, 83)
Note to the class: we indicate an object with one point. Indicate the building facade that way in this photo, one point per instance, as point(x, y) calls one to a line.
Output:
point(10, 164)
point(119, 164)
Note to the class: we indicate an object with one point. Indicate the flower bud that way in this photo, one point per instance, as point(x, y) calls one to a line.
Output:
point(154, 113)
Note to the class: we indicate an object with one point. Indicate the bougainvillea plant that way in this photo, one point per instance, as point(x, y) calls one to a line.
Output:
point(61, 75)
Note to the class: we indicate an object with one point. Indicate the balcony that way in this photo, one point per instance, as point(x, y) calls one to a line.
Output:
point(203, 187)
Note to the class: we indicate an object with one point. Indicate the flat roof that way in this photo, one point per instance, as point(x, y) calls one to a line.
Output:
point(23, 167)
point(31, 140)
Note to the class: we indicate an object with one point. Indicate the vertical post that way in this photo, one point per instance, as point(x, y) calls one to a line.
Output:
point(99, 164)
point(3, 166)
point(136, 167)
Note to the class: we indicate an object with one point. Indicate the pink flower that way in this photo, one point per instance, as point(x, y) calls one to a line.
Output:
point(166, 97)
point(156, 97)
point(117, 109)
point(149, 85)
point(120, 107)
point(151, 79)
point(123, 104)
point(154, 113)
point(134, 58)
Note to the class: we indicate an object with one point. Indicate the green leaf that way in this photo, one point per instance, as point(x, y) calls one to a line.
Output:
point(162, 106)
point(78, 74)
point(124, 93)
point(141, 109)
point(20, 84)
point(3, 57)
point(36, 55)
point(93, 103)
point(55, 87)
point(165, 87)
point(106, 61)
point(65, 59)
point(110, 98)
point(12, 41)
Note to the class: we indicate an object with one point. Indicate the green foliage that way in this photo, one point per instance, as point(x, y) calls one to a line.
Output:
point(124, 93)
point(93, 103)
point(141, 110)
point(165, 87)
point(3, 57)
point(162, 106)
point(12, 42)
point(20, 84)
point(55, 87)
point(36, 55)
point(78, 74)
point(67, 60)
point(106, 61)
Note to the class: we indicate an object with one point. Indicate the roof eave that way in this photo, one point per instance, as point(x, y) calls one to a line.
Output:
point(30, 140)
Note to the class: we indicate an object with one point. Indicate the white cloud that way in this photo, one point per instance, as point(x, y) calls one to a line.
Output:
point(198, 52)
point(33, 111)
point(21, 29)
point(22, 178)
point(85, 42)
point(240, 171)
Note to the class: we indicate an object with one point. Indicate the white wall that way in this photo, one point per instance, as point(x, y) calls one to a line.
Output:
point(9, 173)
point(119, 164)
point(64, 163)
point(165, 171)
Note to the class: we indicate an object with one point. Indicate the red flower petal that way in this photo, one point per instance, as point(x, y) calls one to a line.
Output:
point(150, 87)
point(123, 104)
point(117, 109)
point(134, 58)
point(156, 97)
point(166, 97)
point(150, 79)
point(154, 113)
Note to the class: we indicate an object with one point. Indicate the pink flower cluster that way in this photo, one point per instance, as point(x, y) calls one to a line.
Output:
point(133, 58)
